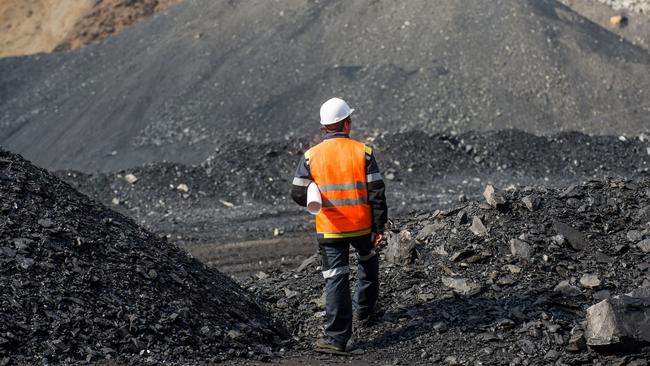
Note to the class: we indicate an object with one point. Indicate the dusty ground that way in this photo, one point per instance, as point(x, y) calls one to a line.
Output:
point(110, 17)
point(32, 26)
point(35, 26)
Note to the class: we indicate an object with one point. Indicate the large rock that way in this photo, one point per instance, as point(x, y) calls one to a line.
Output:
point(567, 289)
point(621, 320)
point(521, 249)
point(575, 238)
point(644, 245)
point(531, 201)
point(401, 248)
point(493, 197)
point(429, 231)
point(477, 227)
point(461, 286)
point(589, 280)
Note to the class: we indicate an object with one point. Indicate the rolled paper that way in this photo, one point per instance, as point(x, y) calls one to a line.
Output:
point(314, 201)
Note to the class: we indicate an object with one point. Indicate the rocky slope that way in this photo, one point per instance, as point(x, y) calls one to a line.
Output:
point(234, 210)
point(206, 73)
point(422, 172)
point(483, 285)
point(82, 283)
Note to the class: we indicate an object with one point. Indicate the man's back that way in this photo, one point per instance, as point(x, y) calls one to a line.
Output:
point(338, 167)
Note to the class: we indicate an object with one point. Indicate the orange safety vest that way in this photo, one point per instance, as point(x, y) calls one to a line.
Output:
point(338, 167)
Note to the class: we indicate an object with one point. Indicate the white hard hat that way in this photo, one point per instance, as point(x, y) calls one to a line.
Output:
point(334, 110)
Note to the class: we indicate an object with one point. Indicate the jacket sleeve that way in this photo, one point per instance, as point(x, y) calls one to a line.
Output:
point(301, 180)
point(376, 193)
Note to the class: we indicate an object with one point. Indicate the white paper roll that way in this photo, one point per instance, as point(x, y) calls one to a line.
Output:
point(313, 199)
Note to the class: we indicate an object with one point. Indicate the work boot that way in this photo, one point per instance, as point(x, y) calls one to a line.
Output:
point(365, 320)
point(329, 346)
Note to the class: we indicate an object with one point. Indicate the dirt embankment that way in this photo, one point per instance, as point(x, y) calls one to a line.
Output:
point(33, 26)
point(109, 17)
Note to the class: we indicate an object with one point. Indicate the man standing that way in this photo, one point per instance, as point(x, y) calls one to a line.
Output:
point(353, 213)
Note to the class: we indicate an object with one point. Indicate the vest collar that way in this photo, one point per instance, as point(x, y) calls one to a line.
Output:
point(331, 135)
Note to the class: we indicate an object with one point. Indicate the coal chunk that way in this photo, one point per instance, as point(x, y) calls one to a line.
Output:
point(575, 238)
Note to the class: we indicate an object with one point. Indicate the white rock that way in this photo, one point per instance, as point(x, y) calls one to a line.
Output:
point(621, 319)
point(590, 281)
point(227, 204)
point(130, 178)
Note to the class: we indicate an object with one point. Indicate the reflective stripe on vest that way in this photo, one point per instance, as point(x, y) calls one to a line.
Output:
point(338, 167)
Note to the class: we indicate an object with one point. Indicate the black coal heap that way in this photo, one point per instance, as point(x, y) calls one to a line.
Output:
point(79, 282)
point(506, 280)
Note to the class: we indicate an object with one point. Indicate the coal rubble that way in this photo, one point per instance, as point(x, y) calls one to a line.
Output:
point(82, 283)
point(516, 294)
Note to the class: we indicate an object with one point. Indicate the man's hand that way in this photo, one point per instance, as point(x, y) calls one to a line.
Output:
point(376, 238)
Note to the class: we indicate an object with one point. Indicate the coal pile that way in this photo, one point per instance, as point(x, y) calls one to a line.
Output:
point(504, 280)
point(79, 282)
point(244, 172)
point(247, 179)
point(206, 73)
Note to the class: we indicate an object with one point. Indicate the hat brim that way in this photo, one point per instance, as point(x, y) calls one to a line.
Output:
point(338, 119)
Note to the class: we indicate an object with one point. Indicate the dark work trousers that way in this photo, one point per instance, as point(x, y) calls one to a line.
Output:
point(336, 271)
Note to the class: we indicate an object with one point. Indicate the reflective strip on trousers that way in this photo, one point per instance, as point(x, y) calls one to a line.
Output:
point(335, 272)
point(366, 257)
point(342, 186)
point(345, 202)
point(302, 182)
point(374, 177)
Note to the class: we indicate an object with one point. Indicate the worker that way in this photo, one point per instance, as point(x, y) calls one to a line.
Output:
point(353, 214)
